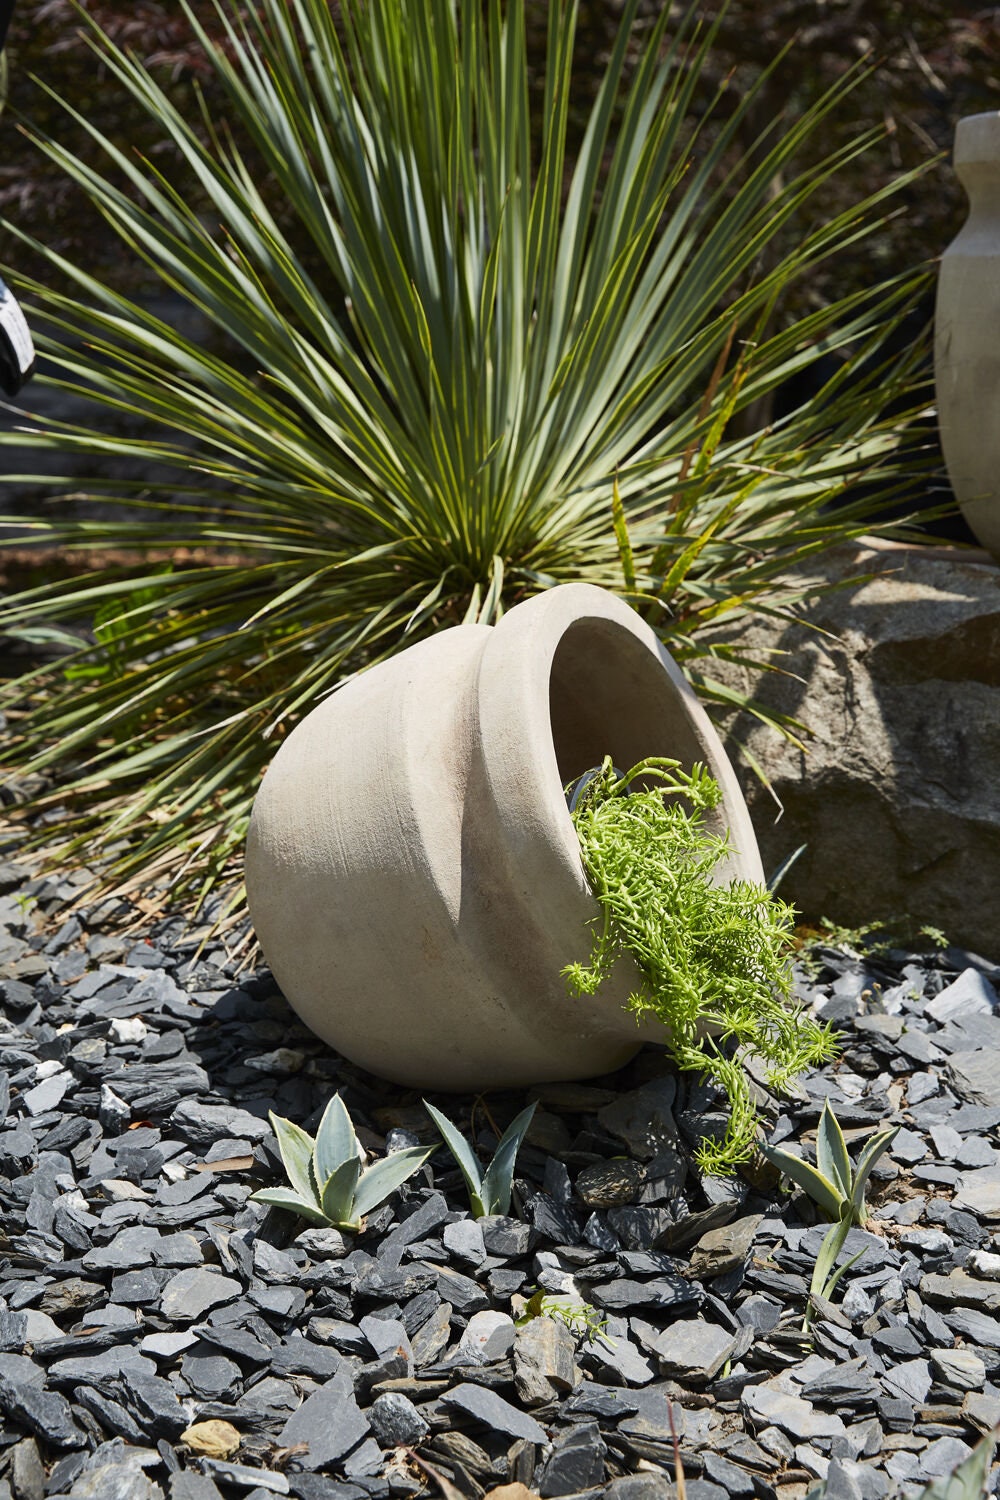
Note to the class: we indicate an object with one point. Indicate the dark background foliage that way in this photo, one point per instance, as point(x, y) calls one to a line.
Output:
point(939, 61)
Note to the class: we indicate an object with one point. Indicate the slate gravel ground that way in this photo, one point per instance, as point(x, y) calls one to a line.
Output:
point(163, 1338)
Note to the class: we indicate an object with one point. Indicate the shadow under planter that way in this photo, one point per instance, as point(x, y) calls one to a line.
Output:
point(413, 873)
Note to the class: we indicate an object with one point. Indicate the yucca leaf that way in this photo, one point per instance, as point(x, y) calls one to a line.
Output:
point(292, 1203)
point(337, 1194)
point(491, 368)
point(820, 1189)
point(385, 1176)
point(832, 1159)
point(869, 1156)
point(499, 1175)
point(296, 1147)
point(336, 1141)
point(464, 1156)
point(833, 1243)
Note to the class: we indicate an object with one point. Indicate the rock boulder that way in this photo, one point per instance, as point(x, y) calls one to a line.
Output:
point(897, 795)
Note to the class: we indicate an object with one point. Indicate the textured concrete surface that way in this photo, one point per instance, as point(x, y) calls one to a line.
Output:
point(412, 869)
point(967, 333)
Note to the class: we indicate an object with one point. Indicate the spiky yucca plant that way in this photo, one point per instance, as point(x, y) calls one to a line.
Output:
point(506, 374)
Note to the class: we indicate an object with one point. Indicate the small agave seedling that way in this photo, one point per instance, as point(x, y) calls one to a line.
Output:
point(489, 1191)
point(330, 1183)
point(833, 1185)
point(837, 1189)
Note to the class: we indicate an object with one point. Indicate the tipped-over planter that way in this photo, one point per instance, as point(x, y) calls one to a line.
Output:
point(967, 334)
point(412, 870)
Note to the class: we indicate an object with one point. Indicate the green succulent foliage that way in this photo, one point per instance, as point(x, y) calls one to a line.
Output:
point(489, 1191)
point(714, 958)
point(495, 370)
point(834, 1185)
point(329, 1183)
point(827, 1274)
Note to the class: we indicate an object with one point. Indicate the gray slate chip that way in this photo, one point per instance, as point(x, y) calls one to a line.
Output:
point(298, 1356)
point(329, 1422)
point(576, 1462)
point(506, 1237)
point(463, 1294)
point(970, 993)
point(768, 1405)
point(45, 1413)
point(487, 1407)
point(975, 1077)
point(187, 1485)
point(394, 1420)
point(662, 1291)
point(736, 1482)
point(204, 1124)
point(191, 1293)
point(211, 1376)
point(243, 1477)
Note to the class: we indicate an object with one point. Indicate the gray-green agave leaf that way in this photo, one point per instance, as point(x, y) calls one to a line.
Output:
point(330, 1181)
point(489, 1191)
point(832, 1184)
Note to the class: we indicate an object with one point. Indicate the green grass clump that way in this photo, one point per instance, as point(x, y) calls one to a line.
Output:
point(714, 958)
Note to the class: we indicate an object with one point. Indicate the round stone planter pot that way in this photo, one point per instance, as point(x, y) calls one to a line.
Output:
point(412, 871)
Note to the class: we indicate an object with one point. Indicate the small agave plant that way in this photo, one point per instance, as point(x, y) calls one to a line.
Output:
point(490, 1191)
point(836, 1187)
point(330, 1183)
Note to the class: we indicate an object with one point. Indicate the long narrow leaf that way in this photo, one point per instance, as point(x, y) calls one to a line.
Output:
point(385, 1176)
point(292, 1203)
point(459, 367)
point(869, 1156)
point(499, 1175)
point(336, 1141)
point(296, 1147)
point(832, 1159)
point(833, 1243)
point(337, 1194)
point(820, 1189)
point(461, 1151)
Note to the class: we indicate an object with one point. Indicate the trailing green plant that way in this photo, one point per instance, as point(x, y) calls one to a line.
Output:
point(505, 370)
point(874, 938)
point(580, 1317)
point(835, 1186)
point(489, 1191)
point(330, 1183)
point(714, 958)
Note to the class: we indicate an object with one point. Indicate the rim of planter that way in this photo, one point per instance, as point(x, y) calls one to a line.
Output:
point(977, 139)
point(559, 681)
